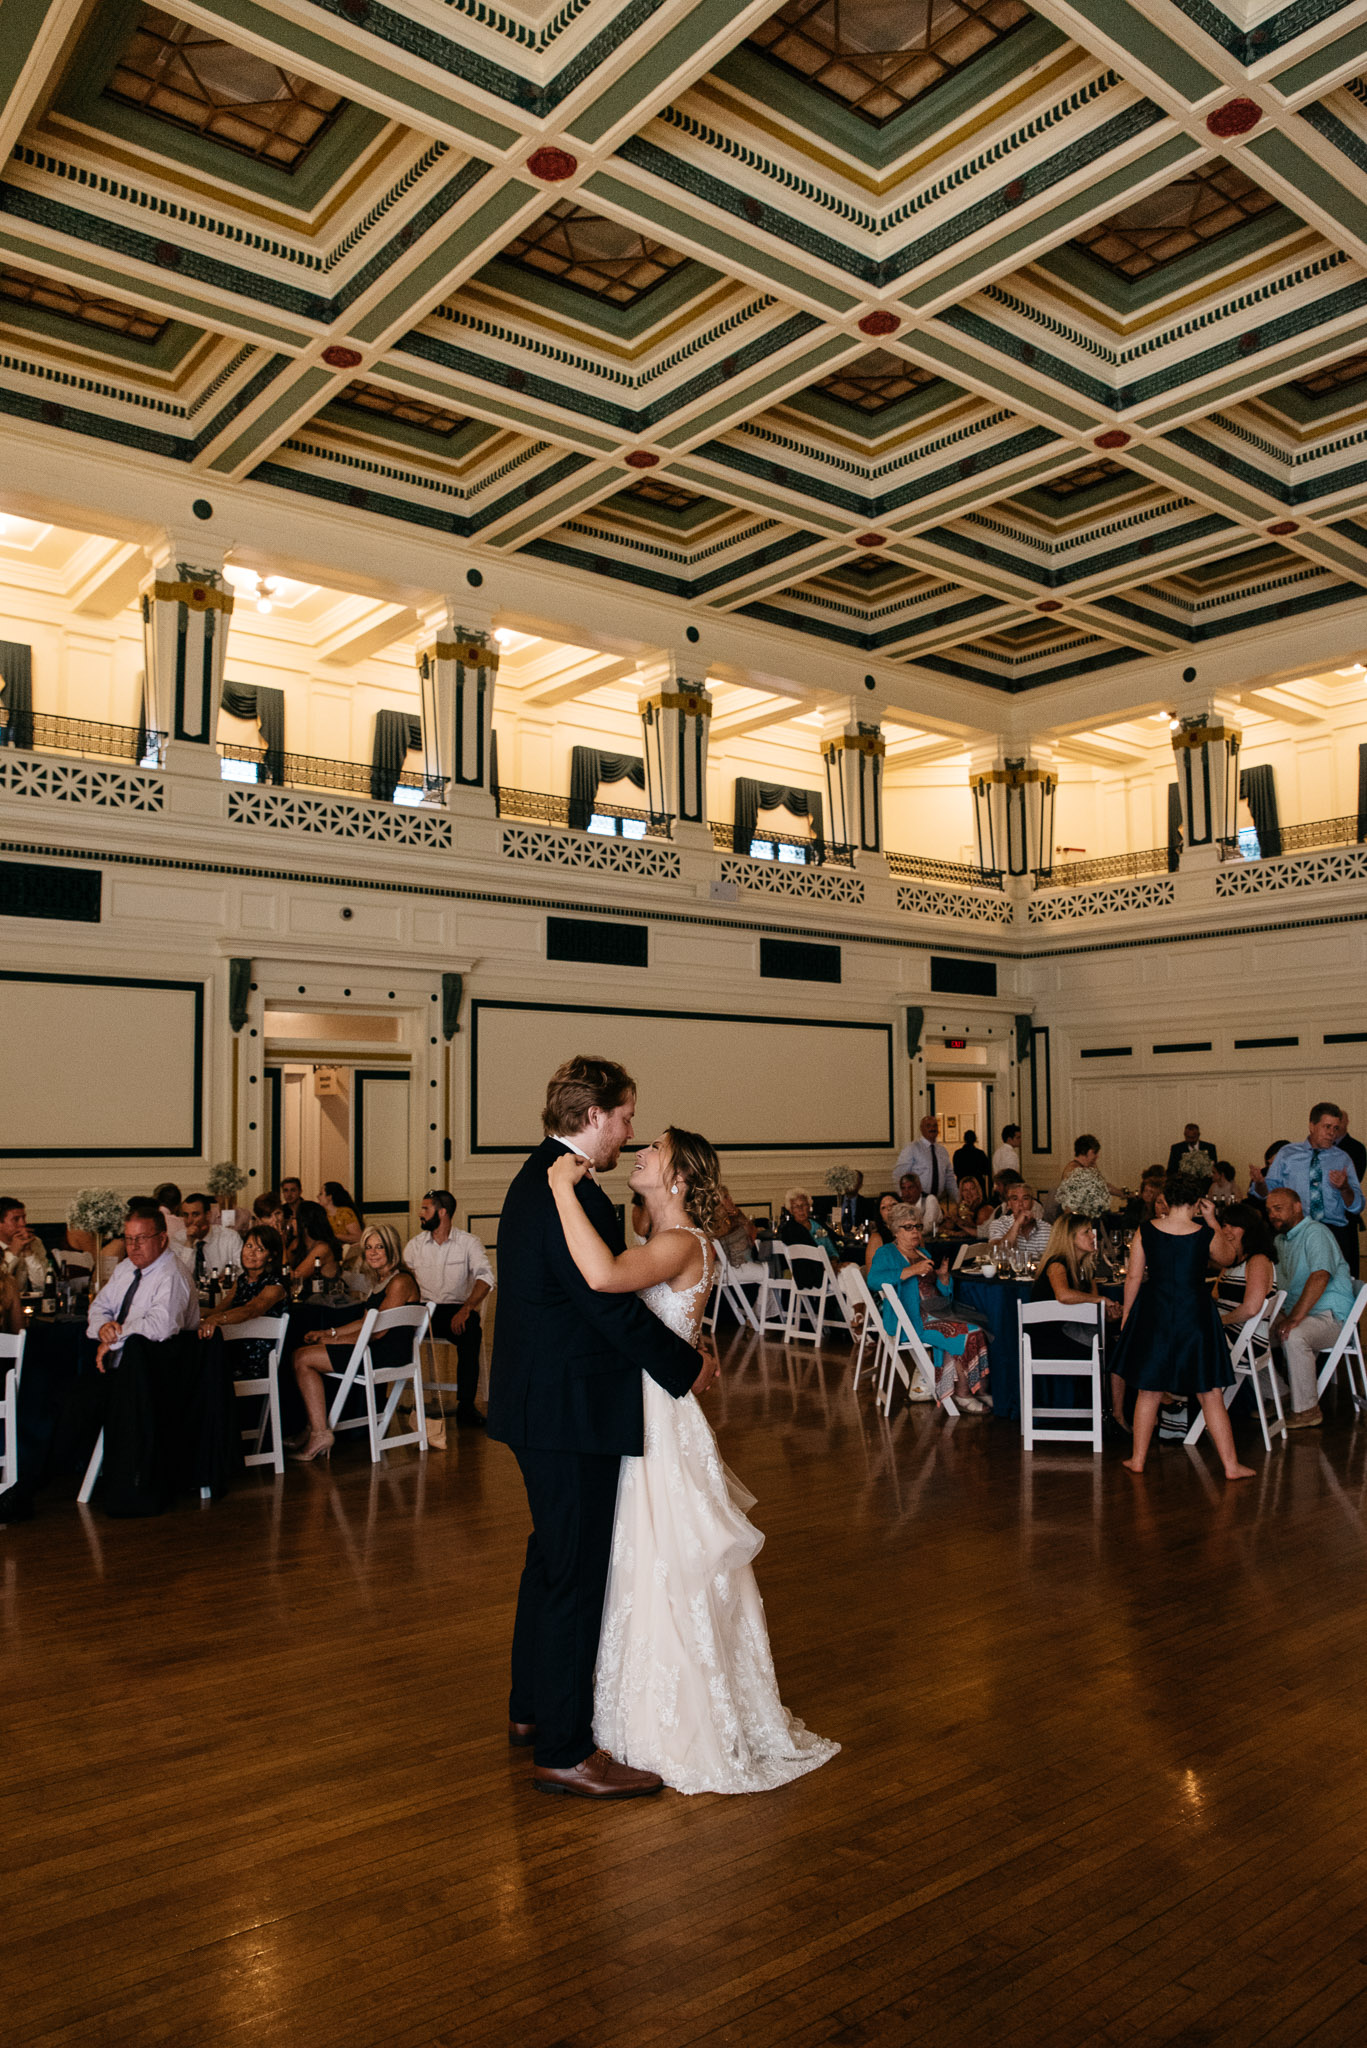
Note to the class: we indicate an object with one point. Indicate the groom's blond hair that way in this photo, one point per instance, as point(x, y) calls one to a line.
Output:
point(583, 1083)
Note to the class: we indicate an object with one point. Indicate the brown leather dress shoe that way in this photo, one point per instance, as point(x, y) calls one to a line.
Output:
point(522, 1734)
point(598, 1777)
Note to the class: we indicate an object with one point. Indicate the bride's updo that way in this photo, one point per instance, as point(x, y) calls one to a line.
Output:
point(697, 1164)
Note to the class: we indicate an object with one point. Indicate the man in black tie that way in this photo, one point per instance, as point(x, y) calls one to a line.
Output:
point(565, 1395)
point(149, 1294)
point(855, 1208)
point(1190, 1141)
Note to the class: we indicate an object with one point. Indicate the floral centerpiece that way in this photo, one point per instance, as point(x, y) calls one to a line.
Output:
point(1084, 1192)
point(224, 1181)
point(840, 1179)
point(1195, 1165)
point(100, 1212)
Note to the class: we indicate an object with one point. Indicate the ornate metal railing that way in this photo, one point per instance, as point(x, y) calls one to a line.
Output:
point(927, 870)
point(1320, 832)
point(1107, 867)
point(79, 736)
point(826, 852)
point(539, 807)
point(315, 771)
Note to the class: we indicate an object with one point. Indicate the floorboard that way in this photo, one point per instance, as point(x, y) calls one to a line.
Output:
point(1101, 1779)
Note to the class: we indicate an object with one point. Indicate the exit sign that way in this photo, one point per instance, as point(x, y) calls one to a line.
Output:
point(955, 1044)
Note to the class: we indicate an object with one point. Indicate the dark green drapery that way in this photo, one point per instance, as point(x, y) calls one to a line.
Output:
point(753, 797)
point(259, 701)
point(1174, 827)
point(588, 767)
point(16, 676)
point(395, 733)
point(1258, 788)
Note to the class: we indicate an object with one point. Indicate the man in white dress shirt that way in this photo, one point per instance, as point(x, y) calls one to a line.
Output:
point(1020, 1223)
point(208, 1246)
point(22, 1255)
point(149, 1293)
point(1008, 1154)
point(452, 1269)
point(927, 1158)
point(929, 1214)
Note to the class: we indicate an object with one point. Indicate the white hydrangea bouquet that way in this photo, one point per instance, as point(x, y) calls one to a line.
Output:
point(98, 1210)
point(1195, 1165)
point(1084, 1192)
point(840, 1179)
point(224, 1181)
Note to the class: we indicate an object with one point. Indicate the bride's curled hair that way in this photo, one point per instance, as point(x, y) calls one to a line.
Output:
point(697, 1164)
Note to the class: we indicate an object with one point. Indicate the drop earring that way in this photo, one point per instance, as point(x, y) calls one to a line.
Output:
point(674, 1188)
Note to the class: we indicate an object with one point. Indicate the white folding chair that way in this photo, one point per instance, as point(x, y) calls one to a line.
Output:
point(855, 1288)
point(726, 1286)
point(1250, 1358)
point(813, 1303)
point(269, 1329)
point(904, 1337)
point(12, 1364)
point(776, 1294)
point(1033, 1315)
point(360, 1366)
point(1348, 1351)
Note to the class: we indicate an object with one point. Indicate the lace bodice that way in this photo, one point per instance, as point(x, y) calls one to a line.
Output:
point(681, 1310)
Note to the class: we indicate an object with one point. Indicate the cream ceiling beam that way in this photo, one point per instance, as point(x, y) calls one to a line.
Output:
point(738, 725)
point(106, 578)
point(593, 672)
point(1276, 704)
point(376, 627)
point(33, 43)
point(673, 49)
point(1094, 750)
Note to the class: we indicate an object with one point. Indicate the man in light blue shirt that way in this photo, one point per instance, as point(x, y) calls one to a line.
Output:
point(1319, 1298)
point(1324, 1177)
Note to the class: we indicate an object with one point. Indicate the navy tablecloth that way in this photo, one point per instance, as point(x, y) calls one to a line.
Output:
point(995, 1301)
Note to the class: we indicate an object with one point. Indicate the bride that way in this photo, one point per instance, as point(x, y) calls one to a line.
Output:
point(685, 1681)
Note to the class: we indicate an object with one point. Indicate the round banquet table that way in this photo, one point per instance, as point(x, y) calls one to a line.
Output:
point(995, 1302)
point(58, 1411)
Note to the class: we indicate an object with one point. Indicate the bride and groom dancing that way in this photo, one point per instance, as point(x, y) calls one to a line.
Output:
point(640, 1651)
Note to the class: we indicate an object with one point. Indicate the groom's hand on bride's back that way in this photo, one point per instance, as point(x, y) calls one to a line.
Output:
point(711, 1367)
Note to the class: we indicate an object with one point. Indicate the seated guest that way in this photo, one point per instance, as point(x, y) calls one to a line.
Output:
point(959, 1350)
point(737, 1234)
point(317, 1248)
point(167, 1198)
point(1068, 1275)
point(1322, 1174)
point(291, 1195)
point(261, 1290)
point(798, 1229)
point(1020, 1225)
point(1008, 1152)
point(11, 1313)
point(1319, 1297)
point(972, 1160)
point(881, 1231)
point(1222, 1187)
point(853, 1208)
point(927, 1208)
point(1190, 1141)
point(265, 1206)
point(342, 1212)
point(1245, 1286)
point(150, 1293)
point(22, 1255)
point(208, 1246)
point(969, 1216)
point(391, 1286)
point(1153, 1202)
point(452, 1269)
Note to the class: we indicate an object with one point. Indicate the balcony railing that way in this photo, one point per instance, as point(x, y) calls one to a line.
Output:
point(85, 736)
point(1320, 832)
point(826, 852)
point(1107, 867)
point(315, 771)
point(539, 807)
point(923, 869)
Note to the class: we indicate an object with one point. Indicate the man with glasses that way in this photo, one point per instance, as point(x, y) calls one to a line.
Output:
point(149, 1294)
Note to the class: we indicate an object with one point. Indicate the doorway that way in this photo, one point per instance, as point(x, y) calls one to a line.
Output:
point(339, 1105)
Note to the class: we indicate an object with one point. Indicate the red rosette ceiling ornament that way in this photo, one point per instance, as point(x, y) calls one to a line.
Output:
point(1235, 117)
point(641, 458)
point(339, 358)
point(1049, 604)
point(552, 165)
point(1285, 526)
point(1114, 437)
point(880, 323)
point(870, 540)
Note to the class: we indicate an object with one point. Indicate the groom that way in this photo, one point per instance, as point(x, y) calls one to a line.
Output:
point(565, 1394)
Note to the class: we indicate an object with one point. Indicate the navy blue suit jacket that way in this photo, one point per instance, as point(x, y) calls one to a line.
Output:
point(567, 1363)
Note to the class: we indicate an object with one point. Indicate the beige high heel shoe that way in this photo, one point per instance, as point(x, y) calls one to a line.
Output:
point(314, 1453)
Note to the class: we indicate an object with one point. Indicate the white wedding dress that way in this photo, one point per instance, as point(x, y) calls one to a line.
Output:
point(685, 1681)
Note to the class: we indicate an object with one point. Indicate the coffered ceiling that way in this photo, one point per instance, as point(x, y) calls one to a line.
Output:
point(1006, 344)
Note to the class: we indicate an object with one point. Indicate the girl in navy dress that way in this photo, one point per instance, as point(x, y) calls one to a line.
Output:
point(1172, 1340)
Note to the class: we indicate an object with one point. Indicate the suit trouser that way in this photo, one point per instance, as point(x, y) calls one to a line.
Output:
point(1346, 1237)
point(466, 1347)
point(1316, 1333)
point(573, 1499)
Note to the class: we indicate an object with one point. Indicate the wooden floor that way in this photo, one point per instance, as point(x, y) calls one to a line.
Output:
point(1103, 1773)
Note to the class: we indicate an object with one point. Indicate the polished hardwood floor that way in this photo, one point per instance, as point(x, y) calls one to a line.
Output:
point(1102, 1776)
